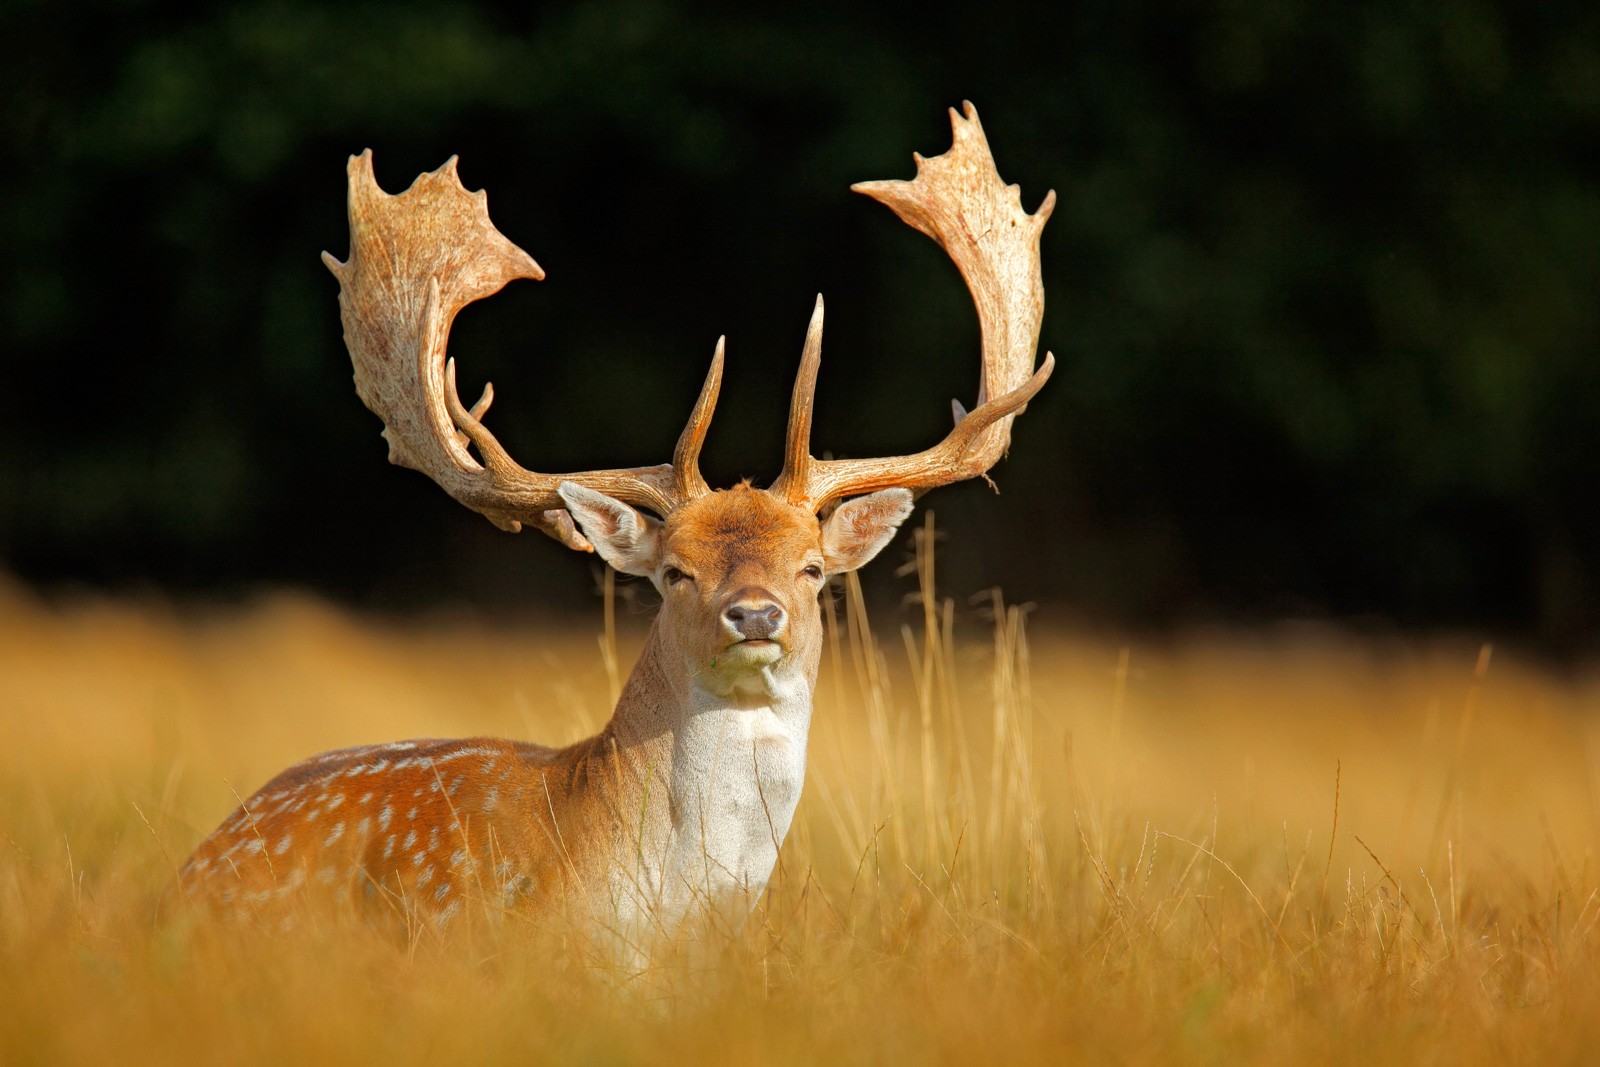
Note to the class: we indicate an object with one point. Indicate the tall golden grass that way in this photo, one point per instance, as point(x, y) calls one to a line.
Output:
point(1269, 847)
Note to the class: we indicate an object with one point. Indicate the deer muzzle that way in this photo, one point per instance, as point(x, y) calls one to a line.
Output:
point(754, 615)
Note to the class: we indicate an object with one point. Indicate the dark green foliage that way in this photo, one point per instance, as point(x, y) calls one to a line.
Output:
point(1324, 286)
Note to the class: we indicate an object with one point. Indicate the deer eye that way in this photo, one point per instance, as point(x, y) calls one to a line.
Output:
point(673, 576)
point(812, 571)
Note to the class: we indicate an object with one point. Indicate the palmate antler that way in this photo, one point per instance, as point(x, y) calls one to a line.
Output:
point(959, 200)
point(418, 258)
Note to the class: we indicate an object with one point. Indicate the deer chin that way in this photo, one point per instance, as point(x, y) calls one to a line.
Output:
point(753, 654)
point(746, 671)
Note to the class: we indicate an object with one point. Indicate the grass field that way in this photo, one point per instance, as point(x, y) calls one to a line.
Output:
point(1269, 847)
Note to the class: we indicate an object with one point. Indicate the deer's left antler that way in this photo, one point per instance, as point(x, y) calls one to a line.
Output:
point(959, 200)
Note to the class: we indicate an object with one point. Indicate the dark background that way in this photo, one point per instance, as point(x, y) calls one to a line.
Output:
point(1322, 285)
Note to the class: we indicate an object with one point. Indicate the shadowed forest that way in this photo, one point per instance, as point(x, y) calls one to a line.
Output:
point(1322, 286)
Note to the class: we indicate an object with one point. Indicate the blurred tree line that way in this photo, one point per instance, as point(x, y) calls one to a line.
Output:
point(1322, 283)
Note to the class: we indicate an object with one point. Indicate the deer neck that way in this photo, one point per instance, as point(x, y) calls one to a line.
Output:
point(716, 771)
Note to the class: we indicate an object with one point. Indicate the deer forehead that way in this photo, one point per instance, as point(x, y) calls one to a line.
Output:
point(740, 529)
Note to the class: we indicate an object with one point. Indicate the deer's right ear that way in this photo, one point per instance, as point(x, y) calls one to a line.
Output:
point(629, 540)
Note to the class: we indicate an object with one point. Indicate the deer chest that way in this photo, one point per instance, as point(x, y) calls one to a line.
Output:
point(736, 784)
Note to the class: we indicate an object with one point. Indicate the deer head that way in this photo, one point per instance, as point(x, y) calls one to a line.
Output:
point(738, 570)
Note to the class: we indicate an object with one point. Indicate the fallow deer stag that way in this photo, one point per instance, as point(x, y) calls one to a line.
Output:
point(683, 800)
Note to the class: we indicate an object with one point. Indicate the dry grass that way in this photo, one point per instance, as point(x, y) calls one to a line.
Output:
point(1290, 847)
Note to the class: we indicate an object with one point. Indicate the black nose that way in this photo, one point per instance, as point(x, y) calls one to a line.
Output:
point(754, 617)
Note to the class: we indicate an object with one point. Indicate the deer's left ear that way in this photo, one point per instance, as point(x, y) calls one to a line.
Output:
point(629, 540)
point(859, 529)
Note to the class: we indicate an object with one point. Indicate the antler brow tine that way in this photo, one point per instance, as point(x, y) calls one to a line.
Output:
point(797, 449)
point(686, 456)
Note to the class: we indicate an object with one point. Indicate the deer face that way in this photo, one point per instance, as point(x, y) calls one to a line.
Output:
point(740, 572)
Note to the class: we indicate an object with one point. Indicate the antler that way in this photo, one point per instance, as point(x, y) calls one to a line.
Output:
point(959, 200)
point(417, 259)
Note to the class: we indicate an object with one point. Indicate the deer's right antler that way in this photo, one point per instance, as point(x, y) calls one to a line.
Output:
point(416, 259)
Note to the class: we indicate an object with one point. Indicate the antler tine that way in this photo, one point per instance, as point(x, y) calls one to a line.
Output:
point(687, 481)
point(416, 259)
point(797, 459)
point(959, 200)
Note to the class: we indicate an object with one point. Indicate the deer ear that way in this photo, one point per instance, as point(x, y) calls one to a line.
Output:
point(859, 529)
point(629, 540)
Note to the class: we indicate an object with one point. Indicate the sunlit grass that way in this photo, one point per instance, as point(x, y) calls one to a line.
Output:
point(1019, 847)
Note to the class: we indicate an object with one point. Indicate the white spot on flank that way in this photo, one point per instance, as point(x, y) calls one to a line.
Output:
point(433, 839)
point(334, 835)
point(475, 750)
point(376, 767)
point(425, 877)
point(384, 816)
point(490, 799)
point(336, 801)
point(418, 859)
point(411, 839)
point(450, 911)
point(327, 875)
point(365, 797)
point(283, 845)
point(365, 827)
point(412, 814)
point(388, 848)
point(443, 890)
point(255, 844)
